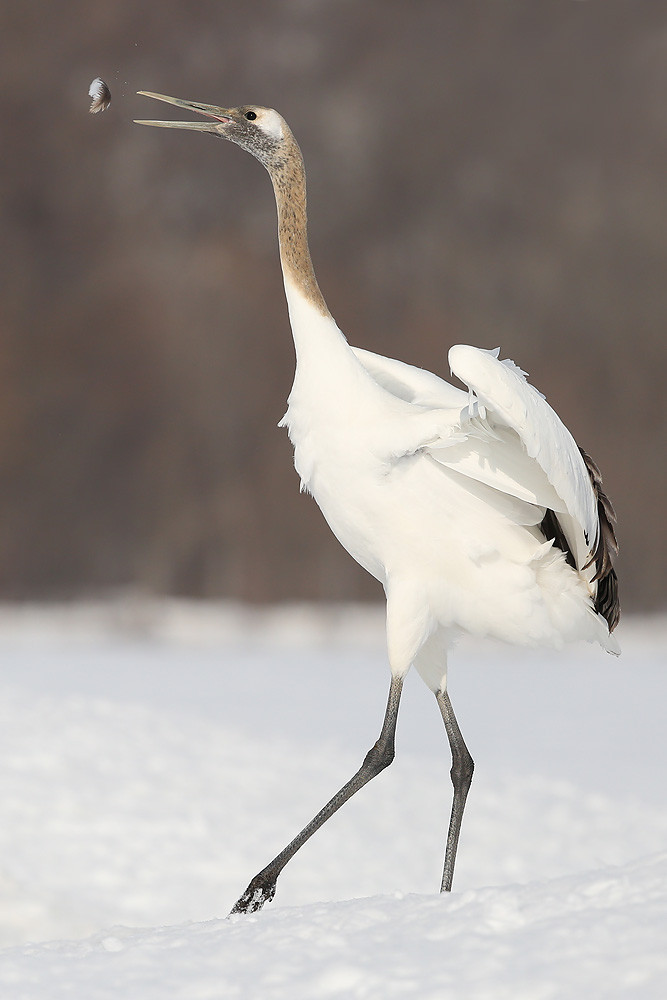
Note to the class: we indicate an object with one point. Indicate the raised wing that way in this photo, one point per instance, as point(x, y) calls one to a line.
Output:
point(515, 453)
point(545, 458)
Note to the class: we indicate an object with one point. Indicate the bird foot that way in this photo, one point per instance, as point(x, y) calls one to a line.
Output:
point(256, 895)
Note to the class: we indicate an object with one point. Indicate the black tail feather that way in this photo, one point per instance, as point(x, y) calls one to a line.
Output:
point(606, 598)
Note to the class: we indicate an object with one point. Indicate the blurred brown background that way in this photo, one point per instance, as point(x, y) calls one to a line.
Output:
point(491, 172)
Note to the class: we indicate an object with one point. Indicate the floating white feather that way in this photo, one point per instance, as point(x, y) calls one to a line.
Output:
point(101, 95)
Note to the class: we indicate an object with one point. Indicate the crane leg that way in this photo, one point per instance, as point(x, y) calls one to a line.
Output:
point(262, 888)
point(461, 774)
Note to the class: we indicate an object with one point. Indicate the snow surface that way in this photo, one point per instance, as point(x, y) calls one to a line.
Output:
point(155, 754)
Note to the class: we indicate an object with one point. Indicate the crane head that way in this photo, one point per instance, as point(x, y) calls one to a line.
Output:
point(261, 131)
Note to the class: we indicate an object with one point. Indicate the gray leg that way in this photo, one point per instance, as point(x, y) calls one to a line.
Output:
point(262, 889)
point(461, 773)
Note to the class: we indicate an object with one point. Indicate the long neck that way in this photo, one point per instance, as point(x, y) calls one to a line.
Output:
point(324, 360)
point(289, 183)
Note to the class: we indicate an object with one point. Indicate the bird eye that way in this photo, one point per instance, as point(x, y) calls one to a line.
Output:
point(250, 115)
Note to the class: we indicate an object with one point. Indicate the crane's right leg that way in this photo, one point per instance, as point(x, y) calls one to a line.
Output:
point(461, 774)
point(262, 888)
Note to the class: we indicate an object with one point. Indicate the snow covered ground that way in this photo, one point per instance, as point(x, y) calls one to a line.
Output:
point(155, 755)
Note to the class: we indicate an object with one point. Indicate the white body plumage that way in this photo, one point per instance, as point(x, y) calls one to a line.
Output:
point(439, 493)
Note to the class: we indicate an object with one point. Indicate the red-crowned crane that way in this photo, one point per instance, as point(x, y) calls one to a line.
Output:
point(476, 511)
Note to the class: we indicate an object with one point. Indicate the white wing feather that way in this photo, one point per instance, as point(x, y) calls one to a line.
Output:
point(505, 436)
point(413, 385)
point(505, 400)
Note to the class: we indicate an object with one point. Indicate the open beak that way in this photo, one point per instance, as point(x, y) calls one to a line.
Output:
point(219, 115)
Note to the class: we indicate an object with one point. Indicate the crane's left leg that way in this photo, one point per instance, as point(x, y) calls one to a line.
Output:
point(263, 887)
point(461, 773)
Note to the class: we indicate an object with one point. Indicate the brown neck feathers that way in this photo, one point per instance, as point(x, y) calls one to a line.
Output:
point(289, 183)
